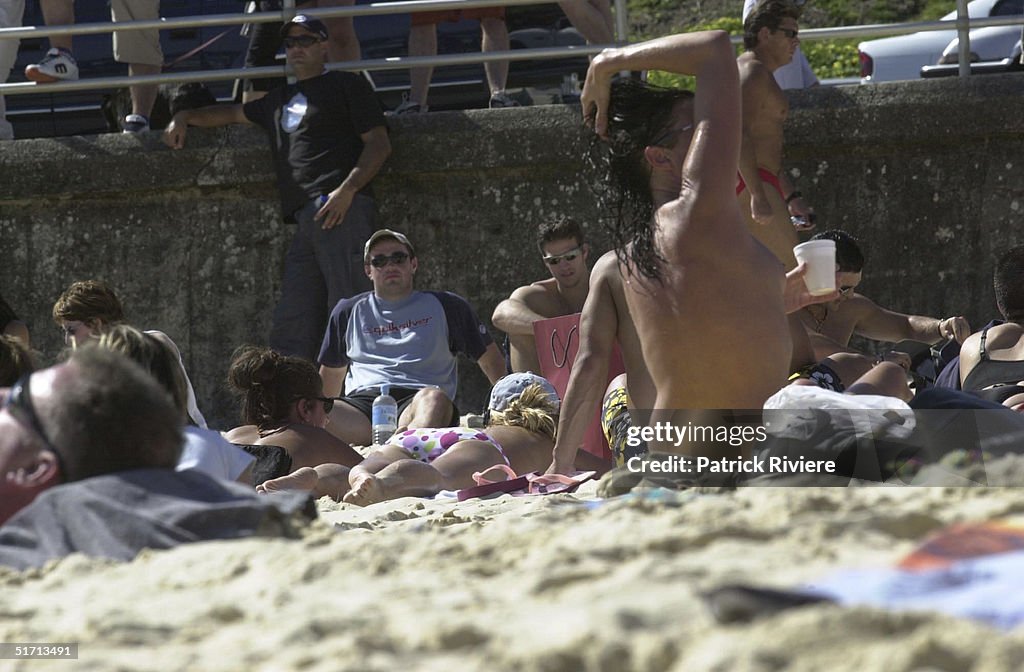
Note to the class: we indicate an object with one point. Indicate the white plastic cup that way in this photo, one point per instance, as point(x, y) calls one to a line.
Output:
point(820, 257)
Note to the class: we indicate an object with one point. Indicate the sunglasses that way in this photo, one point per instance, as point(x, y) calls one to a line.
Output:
point(663, 138)
point(568, 256)
point(304, 41)
point(19, 404)
point(382, 260)
point(791, 34)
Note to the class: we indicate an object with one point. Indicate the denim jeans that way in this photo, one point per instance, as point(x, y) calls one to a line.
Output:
point(320, 269)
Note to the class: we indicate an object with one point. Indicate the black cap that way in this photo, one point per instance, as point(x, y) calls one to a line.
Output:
point(314, 26)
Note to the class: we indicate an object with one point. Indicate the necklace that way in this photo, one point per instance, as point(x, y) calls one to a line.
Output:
point(818, 322)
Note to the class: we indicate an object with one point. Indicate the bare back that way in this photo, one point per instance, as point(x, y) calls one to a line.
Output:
point(307, 446)
point(713, 333)
point(713, 330)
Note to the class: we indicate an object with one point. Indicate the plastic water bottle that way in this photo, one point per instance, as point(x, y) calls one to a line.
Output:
point(384, 417)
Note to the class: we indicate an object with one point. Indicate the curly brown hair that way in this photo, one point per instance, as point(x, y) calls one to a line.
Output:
point(270, 383)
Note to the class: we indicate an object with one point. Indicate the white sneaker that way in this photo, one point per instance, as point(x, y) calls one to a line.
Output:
point(58, 65)
point(408, 106)
point(135, 123)
point(500, 100)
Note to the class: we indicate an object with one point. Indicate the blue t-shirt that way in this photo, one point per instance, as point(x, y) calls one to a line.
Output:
point(407, 343)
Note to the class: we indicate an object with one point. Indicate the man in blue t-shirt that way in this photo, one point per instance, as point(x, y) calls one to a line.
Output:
point(328, 140)
point(405, 338)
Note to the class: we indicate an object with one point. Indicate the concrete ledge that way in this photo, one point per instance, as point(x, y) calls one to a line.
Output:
point(926, 173)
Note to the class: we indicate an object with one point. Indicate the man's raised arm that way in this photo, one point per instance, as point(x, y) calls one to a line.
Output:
point(213, 115)
point(705, 54)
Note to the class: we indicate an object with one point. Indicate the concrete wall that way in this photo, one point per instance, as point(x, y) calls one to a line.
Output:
point(924, 172)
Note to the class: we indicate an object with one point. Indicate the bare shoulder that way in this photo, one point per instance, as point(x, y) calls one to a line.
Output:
point(533, 291)
point(860, 306)
point(753, 71)
point(606, 269)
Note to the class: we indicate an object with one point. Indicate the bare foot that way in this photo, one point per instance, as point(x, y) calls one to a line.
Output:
point(365, 490)
point(304, 478)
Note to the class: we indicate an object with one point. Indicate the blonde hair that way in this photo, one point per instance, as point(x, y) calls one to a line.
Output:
point(532, 410)
point(155, 356)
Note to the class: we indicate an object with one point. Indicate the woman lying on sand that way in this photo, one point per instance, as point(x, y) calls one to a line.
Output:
point(283, 405)
point(520, 432)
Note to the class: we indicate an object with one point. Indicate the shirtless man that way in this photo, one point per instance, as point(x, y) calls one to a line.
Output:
point(832, 324)
point(696, 304)
point(565, 254)
point(765, 194)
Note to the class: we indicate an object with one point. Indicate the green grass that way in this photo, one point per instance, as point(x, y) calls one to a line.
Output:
point(828, 58)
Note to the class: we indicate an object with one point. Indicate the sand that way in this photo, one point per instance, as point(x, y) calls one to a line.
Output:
point(556, 583)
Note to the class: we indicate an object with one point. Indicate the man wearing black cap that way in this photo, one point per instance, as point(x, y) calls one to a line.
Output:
point(400, 337)
point(328, 141)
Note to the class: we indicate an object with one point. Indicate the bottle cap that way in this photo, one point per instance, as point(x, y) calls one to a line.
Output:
point(385, 390)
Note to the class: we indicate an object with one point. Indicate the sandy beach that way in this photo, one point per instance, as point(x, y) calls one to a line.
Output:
point(558, 583)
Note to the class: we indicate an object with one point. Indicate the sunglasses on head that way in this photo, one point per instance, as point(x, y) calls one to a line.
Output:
point(304, 41)
point(19, 404)
point(556, 259)
point(669, 133)
point(382, 260)
point(789, 32)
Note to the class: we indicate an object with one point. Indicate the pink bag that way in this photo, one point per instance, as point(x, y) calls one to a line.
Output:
point(558, 340)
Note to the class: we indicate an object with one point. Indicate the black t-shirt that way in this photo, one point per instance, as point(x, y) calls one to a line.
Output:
point(314, 127)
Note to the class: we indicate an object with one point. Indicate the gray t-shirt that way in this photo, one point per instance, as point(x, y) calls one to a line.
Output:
point(407, 343)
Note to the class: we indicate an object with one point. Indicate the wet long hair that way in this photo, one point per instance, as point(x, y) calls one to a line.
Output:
point(638, 116)
point(532, 410)
point(270, 383)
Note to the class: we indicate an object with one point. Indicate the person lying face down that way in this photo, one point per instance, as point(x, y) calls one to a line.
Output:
point(522, 417)
point(283, 404)
point(87, 452)
point(92, 415)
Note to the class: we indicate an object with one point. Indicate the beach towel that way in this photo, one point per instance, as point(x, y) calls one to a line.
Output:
point(117, 515)
point(558, 340)
point(967, 570)
point(523, 485)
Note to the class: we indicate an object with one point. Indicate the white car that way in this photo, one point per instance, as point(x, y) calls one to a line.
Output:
point(903, 56)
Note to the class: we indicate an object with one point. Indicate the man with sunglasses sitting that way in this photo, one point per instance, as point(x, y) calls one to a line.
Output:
point(402, 337)
point(565, 254)
point(328, 141)
point(766, 195)
point(88, 450)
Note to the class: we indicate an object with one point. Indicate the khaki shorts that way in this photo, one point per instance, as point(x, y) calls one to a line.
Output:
point(136, 46)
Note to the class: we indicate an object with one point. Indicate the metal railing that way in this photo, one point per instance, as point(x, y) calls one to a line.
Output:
point(962, 24)
point(392, 63)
